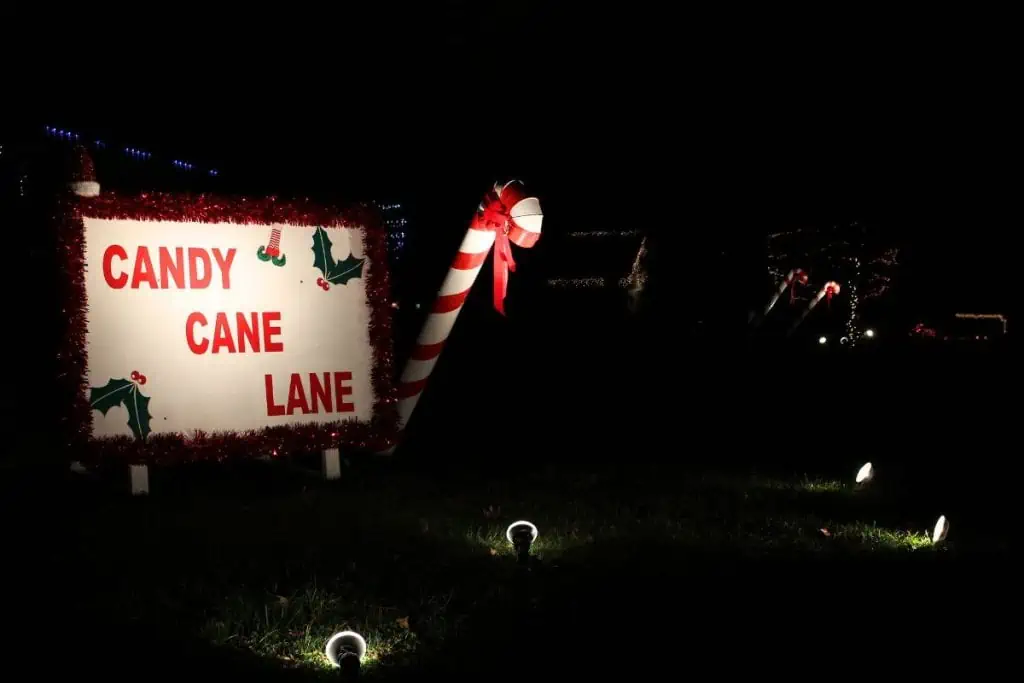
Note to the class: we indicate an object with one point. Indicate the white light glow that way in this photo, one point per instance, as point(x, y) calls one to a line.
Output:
point(865, 473)
point(523, 522)
point(345, 639)
point(869, 333)
point(823, 340)
point(941, 529)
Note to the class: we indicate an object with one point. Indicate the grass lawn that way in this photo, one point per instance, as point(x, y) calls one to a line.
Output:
point(247, 569)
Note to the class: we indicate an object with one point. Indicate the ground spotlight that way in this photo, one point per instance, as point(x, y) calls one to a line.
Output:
point(823, 340)
point(346, 649)
point(869, 333)
point(941, 529)
point(521, 535)
point(865, 474)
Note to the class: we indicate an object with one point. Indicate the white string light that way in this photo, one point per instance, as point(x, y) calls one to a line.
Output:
point(605, 233)
point(577, 282)
point(984, 316)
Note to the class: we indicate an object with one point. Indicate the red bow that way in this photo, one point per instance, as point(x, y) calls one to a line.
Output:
point(829, 291)
point(494, 216)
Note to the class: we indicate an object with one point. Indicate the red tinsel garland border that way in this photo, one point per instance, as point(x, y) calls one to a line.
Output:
point(76, 421)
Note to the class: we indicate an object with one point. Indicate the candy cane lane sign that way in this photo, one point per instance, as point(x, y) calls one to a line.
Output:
point(224, 325)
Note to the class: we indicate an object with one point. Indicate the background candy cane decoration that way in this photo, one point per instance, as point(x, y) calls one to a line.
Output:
point(791, 280)
point(830, 289)
point(505, 215)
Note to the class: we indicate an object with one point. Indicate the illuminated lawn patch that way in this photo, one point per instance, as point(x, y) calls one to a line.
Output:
point(417, 573)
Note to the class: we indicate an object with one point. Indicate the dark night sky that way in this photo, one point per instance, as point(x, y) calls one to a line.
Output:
point(710, 129)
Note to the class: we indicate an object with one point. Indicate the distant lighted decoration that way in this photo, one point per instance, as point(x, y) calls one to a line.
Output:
point(792, 279)
point(637, 280)
point(922, 330)
point(941, 529)
point(983, 316)
point(605, 233)
point(521, 535)
point(823, 340)
point(507, 215)
point(345, 650)
point(830, 289)
point(133, 152)
point(583, 282)
point(869, 333)
point(865, 474)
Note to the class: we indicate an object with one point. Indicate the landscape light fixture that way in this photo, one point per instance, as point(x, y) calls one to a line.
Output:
point(823, 340)
point(869, 333)
point(941, 529)
point(521, 535)
point(865, 474)
point(346, 650)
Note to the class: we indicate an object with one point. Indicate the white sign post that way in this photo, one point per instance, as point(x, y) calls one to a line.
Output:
point(140, 479)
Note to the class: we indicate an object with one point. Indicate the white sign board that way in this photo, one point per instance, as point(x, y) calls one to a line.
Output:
point(224, 326)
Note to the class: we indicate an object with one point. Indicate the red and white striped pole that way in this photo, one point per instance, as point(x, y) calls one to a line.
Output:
point(790, 281)
point(830, 289)
point(505, 215)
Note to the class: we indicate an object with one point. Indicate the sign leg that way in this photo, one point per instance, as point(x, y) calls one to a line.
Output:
point(140, 479)
point(331, 464)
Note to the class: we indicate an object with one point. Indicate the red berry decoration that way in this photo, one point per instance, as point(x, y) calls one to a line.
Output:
point(319, 282)
point(142, 379)
point(135, 374)
point(325, 286)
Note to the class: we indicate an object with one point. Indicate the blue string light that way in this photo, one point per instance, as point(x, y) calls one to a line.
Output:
point(133, 152)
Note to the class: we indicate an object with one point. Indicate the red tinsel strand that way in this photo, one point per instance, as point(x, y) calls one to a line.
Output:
point(75, 422)
point(375, 435)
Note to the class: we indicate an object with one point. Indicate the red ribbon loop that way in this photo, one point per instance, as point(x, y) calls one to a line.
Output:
point(494, 216)
point(495, 213)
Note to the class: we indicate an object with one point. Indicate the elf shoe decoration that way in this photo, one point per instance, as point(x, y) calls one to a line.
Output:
point(272, 252)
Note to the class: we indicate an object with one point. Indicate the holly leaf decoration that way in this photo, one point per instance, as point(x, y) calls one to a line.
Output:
point(105, 398)
point(334, 272)
point(126, 393)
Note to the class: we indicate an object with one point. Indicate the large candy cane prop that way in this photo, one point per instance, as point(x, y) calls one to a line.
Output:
point(793, 277)
point(505, 215)
point(830, 289)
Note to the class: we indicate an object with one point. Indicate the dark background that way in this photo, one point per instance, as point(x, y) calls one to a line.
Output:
point(706, 132)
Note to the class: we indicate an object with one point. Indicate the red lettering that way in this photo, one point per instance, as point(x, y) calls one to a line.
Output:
point(225, 266)
point(341, 390)
point(143, 270)
point(194, 257)
point(222, 335)
point(193, 319)
point(297, 395)
point(269, 345)
point(247, 331)
point(108, 258)
point(272, 408)
point(178, 270)
point(320, 392)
